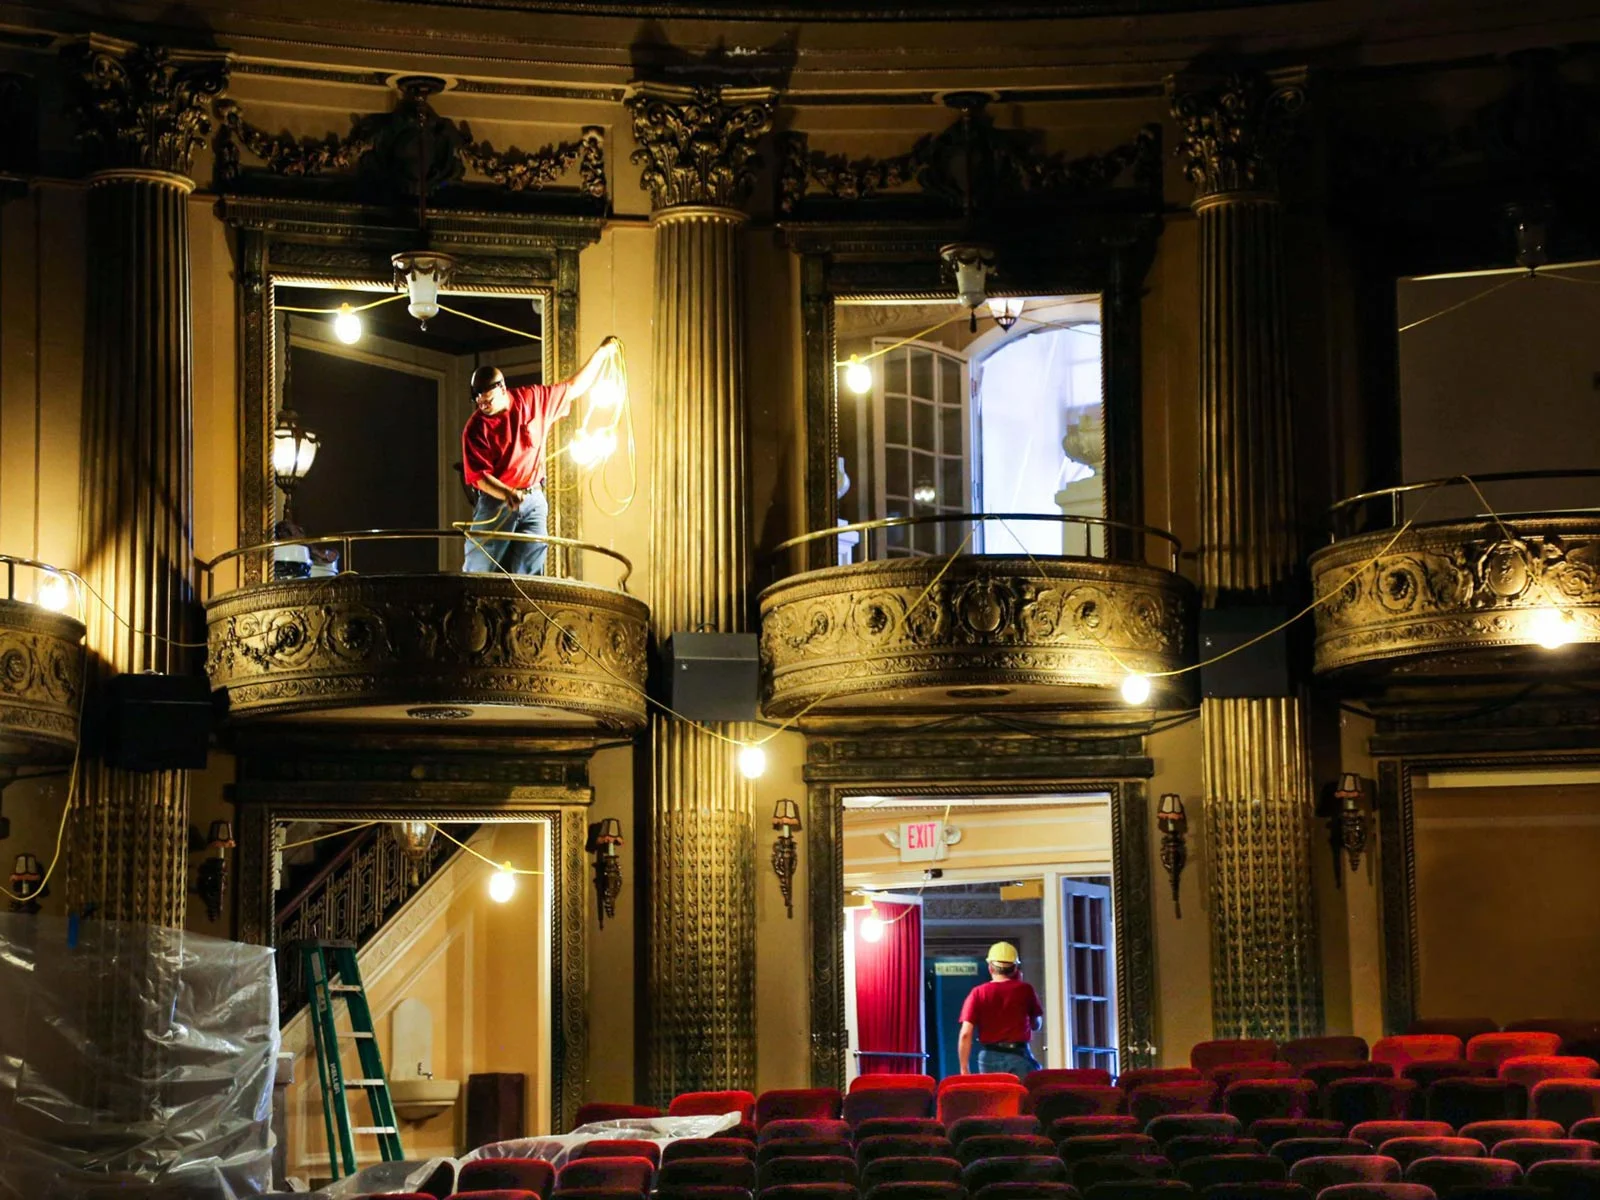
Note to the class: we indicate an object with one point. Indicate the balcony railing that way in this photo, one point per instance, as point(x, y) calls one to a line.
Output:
point(41, 661)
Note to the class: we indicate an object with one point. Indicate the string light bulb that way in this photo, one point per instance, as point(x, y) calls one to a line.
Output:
point(502, 885)
point(347, 326)
point(1135, 688)
point(871, 928)
point(606, 395)
point(857, 376)
point(54, 592)
point(1550, 628)
point(591, 446)
point(752, 762)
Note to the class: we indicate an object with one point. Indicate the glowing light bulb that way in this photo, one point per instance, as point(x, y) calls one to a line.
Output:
point(858, 376)
point(347, 326)
point(871, 929)
point(924, 492)
point(54, 592)
point(502, 885)
point(606, 395)
point(752, 762)
point(1550, 628)
point(590, 446)
point(1136, 688)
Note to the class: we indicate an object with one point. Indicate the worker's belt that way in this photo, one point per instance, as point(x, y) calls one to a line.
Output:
point(1005, 1047)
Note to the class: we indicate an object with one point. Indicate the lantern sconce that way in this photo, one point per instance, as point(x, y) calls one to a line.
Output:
point(785, 852)
point(605, 840)
point(1349, 820)
point(211, 881)
point(415, 839)
point(27, 884)
point(1174, 825)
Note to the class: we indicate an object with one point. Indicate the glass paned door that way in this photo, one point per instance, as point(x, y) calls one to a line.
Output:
point(923, 438)
point(1091, 1006)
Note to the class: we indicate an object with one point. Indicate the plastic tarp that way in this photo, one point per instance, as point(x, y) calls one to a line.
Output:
point(134, 1061)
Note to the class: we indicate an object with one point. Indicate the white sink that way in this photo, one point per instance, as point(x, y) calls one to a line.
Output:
point(419, 1099)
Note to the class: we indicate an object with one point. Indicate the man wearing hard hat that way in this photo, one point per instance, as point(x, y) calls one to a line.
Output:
point(1001, 1015)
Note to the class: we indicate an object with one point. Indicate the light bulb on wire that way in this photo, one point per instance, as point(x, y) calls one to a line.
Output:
point(591, 446)
point(502, 885)
point(347, 326)
point(752, 761)
point(1550, 628)
point(871, 929)
point(857, 376)
point(1135, 688)
point(606, 395)
point(53, 592)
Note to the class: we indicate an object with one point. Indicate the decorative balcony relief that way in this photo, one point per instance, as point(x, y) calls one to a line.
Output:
point(554, 654)
point(1053, 634)
point(41, 682)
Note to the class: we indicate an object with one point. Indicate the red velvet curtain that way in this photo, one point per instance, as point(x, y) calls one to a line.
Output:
point(889, 990)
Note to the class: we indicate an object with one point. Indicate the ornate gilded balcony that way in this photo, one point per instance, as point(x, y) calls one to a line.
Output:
point(41, 663)
point(970, 632)
point(1508, 596)
point(530, 654)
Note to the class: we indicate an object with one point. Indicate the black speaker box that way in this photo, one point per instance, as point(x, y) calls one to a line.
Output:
point(713, 676)
point(157, 722)
point(1262, 670)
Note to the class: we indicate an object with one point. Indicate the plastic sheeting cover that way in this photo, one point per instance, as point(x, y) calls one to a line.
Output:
point(137, 1062)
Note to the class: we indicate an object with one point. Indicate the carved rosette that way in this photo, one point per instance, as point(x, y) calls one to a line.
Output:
point(1233, 130)
point(556, 652)
point(143, 107)
point(1055, 634)
point(1450, 589)
point(696, 145)
point(41, 682)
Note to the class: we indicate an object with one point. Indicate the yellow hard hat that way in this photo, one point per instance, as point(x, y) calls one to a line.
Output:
point(1003, 952)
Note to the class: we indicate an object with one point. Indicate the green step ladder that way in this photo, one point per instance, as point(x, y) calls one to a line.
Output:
point(331, 971)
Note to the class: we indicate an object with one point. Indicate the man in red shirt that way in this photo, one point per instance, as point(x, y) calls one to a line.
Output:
point(1002, 1015)
point(502, 458)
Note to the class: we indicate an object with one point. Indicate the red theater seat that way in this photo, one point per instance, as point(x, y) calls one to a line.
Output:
point(1251, 1099)
point(1446, 1174)
point(966, 1127)
point(1154, 1100)
point(1376, 1133)
point(589, 1114)
point(1495, 1048)
point(797, 1104)
point(1406, 1150)
point(1076, 1076)
point(1324, 1073)
point(703, 1191)
point(1292, 1150)
point(1024, 1169)
point(1527, 1151)
point(1567, 1180)
point(803, 1169)
point(1068, 1127)
point(1256, 1069)
point(899, 1127)
point(1264, 1190)
point(1418, 1047)
point(1200, 1124)
point(506, 1194)
point(1465, 1101)
point(804, 1148)
point(1201, 1173)
point(981, 1100)
point(609, 1174)
point(1206, 1056)
point(683, 1174)
point(1039, 1190)
point(1090, 1172)
point(957, 1081)
point(876, 1103)
point(518, 1174)
point(1492, 1132)
point(1054, 1101)
point(1332, 1170)
point(1143, 1076)
point(1098, 1145)
point(1002, 1145)
point(810, 1191)
point(1180, 1150)
point(1531, 1069)
point(918, 1189)
point(1354, 1101)
point(618, 1148)
point(869, 1150)
point(1377, 1191)
point(1565, 1101)
point(1139, 1189)
point(681, 1149)
point(1271, 1130)
point(1302, 1052)
point(713, 1104)
point(1588, 1128)
point(789, 1129)
point(920, 1168)
point(882, 1079)
point(1429, 1071)
point(1465, 1028)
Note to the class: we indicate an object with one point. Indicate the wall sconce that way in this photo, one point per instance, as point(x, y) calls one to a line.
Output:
point(1174, 825)
point(294, 449)
point(27, 882)
point(211, 881)
point(785, 853)
point(415, 839)
point(604, 839)
point(1349, 820)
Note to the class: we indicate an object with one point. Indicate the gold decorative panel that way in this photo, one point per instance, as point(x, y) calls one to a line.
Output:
point(468, 649)
point(41, 682)
point(1047, 634)
point(1456, 598)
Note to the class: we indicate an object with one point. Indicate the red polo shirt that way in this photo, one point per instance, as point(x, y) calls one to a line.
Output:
point(510, 445)
point(1002, 1010)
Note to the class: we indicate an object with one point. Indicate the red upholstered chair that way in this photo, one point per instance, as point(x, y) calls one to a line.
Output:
point(804, 1148)
point(588, 1114)
point(1356, 1100)
point(713, 1104)
point(1271, 1189)
point(703, 1191)
point(1406, 1150)
point(1418, 1047)
point(1255, 1069)
point(1465, 1028)
point(1143, 1076)
point(1154, 1100)
point(1446, 1174)
point(609, 1174)
point(1465, 1101)
point(883, 1079)
point(1588, 1128)
point(1002, 1145)
point(899, 1127)
point(1139, 1189)
point(1252, 1099)
point(1098, 1145)
point(920, 1168)
point(1567, 1180)
point(957, 1081)
point(1067, 1127)
point(805, 1169)
point(1324, 1073)
point(1028, 1168)
point(1376, 1133)
point(1492, 1132)
point(1568, 1029)
point(1331, 1170)
point(1527, 1151)
point(1180, 1150)
point(512, 1194)
point(1201, 1173)
point(731, 1172)
point(519, 1174)
point(916, 1189)
point(1302, 1052)
point(1037, 1190)
point(1377, 1191)
point(1204, 1056)
point(618, 1148)
point(981, 1100)
point(789, 1129)
point(1530, 1069)
point(1430, 1071)
point(880, 1103)
point(810, 1191)
point(1210, 1124)
point(1088, 1172)
point(1495, 1048)
point(797, 1104)
point(681, 1149)
point(966, 1127)
point(1078, 1076)
point(1269, 1131)
point(1565, 1101)
point(869, 1150)
point(1053, 1101)
point(1292, 1150)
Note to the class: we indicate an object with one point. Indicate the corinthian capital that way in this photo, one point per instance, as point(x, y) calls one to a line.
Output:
point(1233, 129)
point(697, 144)
point(143, 107)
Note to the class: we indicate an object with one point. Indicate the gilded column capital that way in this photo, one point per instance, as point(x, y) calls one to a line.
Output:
point(141, 107)
point(1233, 129)
point(696, 145)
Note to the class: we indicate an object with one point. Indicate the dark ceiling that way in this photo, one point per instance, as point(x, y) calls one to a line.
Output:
point(876, 10)
point(446, 333)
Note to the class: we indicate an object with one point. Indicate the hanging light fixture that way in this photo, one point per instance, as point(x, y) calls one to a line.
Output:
point(924, 492)
point(27, 884)
point(857, 376)
point(1006, 310)
point(970, 263)
point(347, 325)
point(424, 272)
point(416, 843)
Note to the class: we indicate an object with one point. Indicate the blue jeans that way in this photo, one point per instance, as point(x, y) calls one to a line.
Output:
point(490, 517)
point(1004, 1062)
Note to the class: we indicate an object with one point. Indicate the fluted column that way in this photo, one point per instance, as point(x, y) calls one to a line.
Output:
point(1265, 968)
point(696, 148)
point(143, 113)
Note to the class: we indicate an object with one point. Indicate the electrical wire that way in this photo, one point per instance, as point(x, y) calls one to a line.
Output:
point(322, 837)
point(507, 867)
point(126, 624)
point(456, 312)
point(355, 308)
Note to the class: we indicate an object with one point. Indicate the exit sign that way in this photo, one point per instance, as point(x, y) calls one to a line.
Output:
point(921, 841)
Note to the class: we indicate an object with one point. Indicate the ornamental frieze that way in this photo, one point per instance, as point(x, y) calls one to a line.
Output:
point(41, 681)
point(563, 653)
point(1054, 634)
point(1453, 588)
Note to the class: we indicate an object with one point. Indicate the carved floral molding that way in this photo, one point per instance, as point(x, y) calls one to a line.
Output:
point(143, 107)
point(1234, 129)
point(696, 145)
